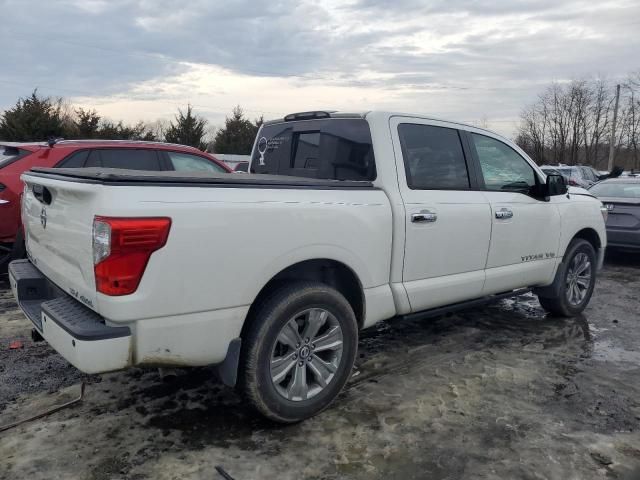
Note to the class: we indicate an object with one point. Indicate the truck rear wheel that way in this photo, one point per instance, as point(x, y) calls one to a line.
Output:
point(298, 351)
point(575, 279)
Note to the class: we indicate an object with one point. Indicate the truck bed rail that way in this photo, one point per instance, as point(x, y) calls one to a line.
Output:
point(116, 176)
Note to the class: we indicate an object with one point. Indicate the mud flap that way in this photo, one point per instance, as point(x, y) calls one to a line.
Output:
point(228, 369)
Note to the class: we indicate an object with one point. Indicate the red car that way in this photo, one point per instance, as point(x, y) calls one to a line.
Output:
point(16, 158)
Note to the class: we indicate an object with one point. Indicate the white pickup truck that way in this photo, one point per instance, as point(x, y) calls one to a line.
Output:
point(346, 220)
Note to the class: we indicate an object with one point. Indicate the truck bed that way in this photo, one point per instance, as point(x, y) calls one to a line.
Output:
point(228, 238)
point(116, 176)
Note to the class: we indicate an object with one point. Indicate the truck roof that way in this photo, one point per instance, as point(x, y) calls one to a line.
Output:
point(319, 114)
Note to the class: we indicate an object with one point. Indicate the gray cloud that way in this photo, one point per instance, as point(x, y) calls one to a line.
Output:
point(490, 58)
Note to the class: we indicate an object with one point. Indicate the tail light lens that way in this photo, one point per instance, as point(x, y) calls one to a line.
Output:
point(121, 250)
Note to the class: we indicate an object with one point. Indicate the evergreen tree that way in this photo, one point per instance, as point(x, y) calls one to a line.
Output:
point(238, 134)
point(109, 130)
point(189, 129)
point(87, 123)
point(33, 118)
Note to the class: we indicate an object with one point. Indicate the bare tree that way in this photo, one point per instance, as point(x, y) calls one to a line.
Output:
point(570, 123)
point(632, 87)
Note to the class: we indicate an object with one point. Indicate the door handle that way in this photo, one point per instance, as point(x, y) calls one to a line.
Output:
point(425, 216)
point(504, 213)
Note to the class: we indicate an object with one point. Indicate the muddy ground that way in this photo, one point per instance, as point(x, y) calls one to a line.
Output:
point(494, 393)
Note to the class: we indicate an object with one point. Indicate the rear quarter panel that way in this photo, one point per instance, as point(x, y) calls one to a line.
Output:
point(225, 244)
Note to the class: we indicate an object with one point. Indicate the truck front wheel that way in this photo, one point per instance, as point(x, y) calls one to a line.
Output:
point(298, 351)
point(574, 283)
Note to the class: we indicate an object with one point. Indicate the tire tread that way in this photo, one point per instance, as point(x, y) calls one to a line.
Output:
point(256, 332)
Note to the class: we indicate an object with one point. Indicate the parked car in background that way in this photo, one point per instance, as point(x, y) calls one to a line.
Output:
point(17, 158)
point(576, 175)
point(351, 218)
point(593, 174)
point(621, 196)
point(241, 167)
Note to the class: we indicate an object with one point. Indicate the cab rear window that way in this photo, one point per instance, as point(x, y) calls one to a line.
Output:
point(336, 149)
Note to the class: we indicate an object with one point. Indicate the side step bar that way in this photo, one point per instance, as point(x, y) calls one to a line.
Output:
point(436, 312)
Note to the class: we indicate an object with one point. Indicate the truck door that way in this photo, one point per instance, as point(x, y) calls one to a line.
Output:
point(448, 221)
point(525, 231)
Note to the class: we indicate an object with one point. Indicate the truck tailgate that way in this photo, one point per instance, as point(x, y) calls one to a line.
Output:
point(58, 218)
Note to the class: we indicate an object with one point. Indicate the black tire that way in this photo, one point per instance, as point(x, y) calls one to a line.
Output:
point(19, 248)
point(15, 251)
point(5, 257)
point(260, 339)
point(555, 300)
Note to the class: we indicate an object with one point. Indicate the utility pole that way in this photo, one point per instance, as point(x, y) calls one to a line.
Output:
point(612, 143)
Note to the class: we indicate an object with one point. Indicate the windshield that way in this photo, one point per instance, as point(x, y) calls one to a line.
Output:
point(10, 154)
point(616, 189)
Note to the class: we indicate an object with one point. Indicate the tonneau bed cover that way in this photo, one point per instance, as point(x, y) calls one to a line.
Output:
point(117, 176)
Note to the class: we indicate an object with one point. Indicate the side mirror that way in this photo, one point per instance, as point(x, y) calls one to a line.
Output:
point(556, 185)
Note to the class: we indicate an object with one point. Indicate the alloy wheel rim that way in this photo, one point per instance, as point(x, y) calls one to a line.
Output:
point(578, 278)
point(306, 354)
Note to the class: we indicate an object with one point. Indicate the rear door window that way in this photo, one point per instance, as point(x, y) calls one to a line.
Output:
point(128, 158)
point(338, 149)
point(185, 162)
point(75, 160)
point(93, 159)
point(433, 157)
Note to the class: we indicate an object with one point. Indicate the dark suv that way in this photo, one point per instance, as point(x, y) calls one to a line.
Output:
point(16, 158)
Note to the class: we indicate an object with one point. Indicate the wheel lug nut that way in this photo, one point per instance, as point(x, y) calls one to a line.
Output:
point(306, 340)
point(297, 345)
point(295, 356)
point(301, 364)
point(313, 346)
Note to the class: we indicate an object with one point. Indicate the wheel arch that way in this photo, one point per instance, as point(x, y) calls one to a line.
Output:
point(590, 235)
point(325, 270)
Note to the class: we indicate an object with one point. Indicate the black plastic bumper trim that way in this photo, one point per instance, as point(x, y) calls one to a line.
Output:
point(36, 294)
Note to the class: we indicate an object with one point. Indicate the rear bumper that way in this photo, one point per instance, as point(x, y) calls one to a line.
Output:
point(84, 339)
point(77, 333)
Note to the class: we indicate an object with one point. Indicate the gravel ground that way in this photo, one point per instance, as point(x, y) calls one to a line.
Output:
point(493, 393)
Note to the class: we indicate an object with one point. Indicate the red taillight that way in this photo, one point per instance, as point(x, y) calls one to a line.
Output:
point(121, 250)
point(573, 182)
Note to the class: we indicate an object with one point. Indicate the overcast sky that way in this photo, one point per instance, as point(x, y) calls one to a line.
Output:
point(468, 60)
